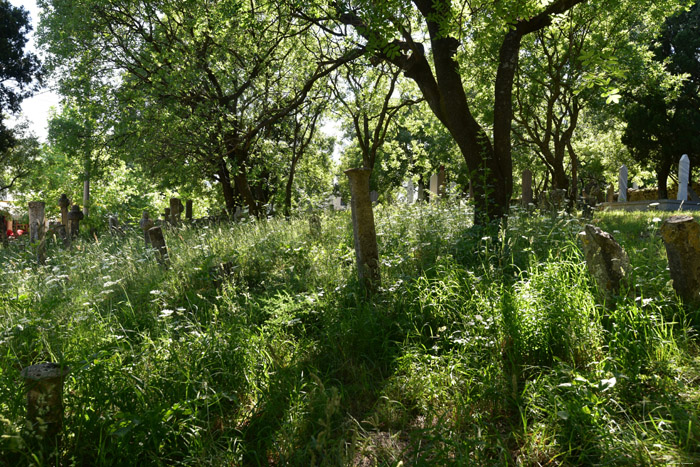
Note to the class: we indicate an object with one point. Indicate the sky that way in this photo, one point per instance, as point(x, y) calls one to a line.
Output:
point(36, 108)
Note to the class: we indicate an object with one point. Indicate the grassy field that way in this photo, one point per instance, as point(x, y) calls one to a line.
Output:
point(258, 347)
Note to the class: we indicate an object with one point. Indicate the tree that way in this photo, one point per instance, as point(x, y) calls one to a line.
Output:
point(20, 74)
point(394, 31)
point(221, 73)
point(662, 124)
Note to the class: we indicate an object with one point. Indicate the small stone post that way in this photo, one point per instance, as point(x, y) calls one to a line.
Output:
point(683, 178)
point(74, 217)
point(176, 209)
point(44, 385)
point(146, 223)
point(63, 203)
point(681, 236)
point(622, 191)
point(188, 210)
point(366, 252)
point(527, 188)
point(610, 196)
point(434, 187)
point(158, 242)
point(607, 262)
point(166, 216)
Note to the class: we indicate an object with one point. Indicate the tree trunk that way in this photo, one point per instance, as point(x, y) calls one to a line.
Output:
point(240, 179)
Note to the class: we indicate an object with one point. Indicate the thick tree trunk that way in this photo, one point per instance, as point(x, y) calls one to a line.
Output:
point(240, 179)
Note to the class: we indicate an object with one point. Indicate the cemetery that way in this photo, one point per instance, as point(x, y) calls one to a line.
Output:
point(350, 233)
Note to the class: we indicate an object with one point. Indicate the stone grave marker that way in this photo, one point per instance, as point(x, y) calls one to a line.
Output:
point(188, 210)
point(158, 242)
point(44, 386)
point(610, 195)
point(146, 223)
point(606, 261)
point(434, 187)
point(683, 178)
point(64, 203)
point(74, 217)
point(410, 191)
point(681, 236)
point(176, 208)
point(622, 185)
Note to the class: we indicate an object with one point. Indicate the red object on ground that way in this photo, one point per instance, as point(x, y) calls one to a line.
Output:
point(10, 233)
point(20, 232)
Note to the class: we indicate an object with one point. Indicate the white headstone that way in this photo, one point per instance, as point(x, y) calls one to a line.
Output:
point(410, 191)
point(622, 186)
point(338, 203)
point(434, 186)
point(683, 178)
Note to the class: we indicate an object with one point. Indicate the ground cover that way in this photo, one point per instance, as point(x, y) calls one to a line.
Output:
point(257, 346)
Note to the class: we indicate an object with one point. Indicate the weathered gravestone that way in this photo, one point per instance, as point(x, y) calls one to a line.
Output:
point(681, 236)
point(64, 203)
point(44, 386)
point(610, 196)
point(176, 208)
point(146, 223)
point(74, 217)
point(683, 178)
point(622, 185)
point(166, 216)
point(366, 252)
point(527, 188)
point(158, 242)
point(442, 178)
point(37, 228)
point(434, 187)
point(114, 227)
point(607, 262)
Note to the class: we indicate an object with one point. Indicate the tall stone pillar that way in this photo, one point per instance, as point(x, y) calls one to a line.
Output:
point(188, 210)
point(622, 185)
point(683, 178)
point(366, 252)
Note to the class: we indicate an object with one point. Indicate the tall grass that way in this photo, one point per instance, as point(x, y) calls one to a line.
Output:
point(258, 346)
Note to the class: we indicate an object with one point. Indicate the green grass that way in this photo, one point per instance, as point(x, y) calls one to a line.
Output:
point(257, 346)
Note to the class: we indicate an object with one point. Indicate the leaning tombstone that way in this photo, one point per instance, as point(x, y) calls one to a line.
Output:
point(622, 182)
point(44, 386)
point(64, 203)
point(606, 260)
point(158, 242)
point(527, 188)
point(683, 178)
point(366, 252)
point(146, 223)
point(74, 217)
point(681, 236)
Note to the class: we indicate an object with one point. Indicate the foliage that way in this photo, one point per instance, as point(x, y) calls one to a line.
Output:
point(257, 345)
